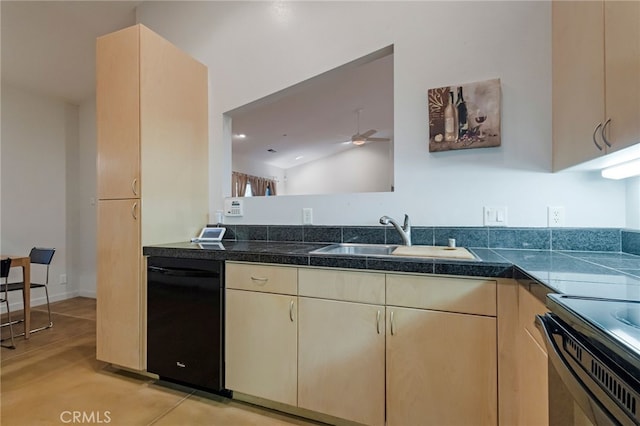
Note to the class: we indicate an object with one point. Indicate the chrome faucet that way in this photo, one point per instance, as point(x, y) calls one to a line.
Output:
point(404, 231)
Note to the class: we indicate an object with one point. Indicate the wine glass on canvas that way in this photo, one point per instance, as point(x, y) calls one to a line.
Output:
point(480, 118)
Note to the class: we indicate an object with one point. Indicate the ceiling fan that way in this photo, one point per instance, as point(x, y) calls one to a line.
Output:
point(359, 139)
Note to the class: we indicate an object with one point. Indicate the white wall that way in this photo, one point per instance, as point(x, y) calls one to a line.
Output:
point(633, 203)
point(86, 225)
point(39, 138)
point(254, 49)
point(363, 169)
point(366, 168)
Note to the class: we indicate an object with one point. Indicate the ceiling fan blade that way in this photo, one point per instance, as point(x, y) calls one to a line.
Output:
point(378, 140)
point(368, 133)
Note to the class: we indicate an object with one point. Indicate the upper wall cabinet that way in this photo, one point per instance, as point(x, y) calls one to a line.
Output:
point(596, 79)
point(118, 114)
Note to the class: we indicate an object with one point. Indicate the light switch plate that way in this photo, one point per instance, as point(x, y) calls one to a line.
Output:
point(495, 216)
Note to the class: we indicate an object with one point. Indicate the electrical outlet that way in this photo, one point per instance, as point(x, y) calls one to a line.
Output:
point(63, 278)
point(555, 216)
point(307, 216)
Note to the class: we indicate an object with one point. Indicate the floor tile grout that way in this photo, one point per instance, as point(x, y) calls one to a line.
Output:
point(57, 370)
point(170, 409)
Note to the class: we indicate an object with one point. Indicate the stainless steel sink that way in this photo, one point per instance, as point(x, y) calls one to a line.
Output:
point(425, 252)
point(355, 249)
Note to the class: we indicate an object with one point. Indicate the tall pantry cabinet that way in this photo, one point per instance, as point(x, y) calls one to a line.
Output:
point(152, 163)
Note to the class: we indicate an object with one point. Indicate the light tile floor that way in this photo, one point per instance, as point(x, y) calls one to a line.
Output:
point(54, 376)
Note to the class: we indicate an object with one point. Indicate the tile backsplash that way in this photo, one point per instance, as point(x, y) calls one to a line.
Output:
point(631, 241)
point(573, 239)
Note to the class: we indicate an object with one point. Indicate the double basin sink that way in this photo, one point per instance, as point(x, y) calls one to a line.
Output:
point(351, 249)
point(357, 249)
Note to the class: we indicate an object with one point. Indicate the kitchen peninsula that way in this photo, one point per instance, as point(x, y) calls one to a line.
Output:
point(575, 264)
point(519, 278)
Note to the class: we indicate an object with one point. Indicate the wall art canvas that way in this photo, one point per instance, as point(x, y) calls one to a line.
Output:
point(464, 116)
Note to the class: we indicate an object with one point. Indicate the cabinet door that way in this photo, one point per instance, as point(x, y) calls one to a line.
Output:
point(534, 388)
point(341, 359)
point(261, 345)
point(532, 362)
point(578, 81)
point(622, 54)
point(119, 297)
point(441, 368)
point(117, 114)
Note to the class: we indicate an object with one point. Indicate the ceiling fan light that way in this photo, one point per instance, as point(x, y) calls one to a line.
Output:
point(358, 141)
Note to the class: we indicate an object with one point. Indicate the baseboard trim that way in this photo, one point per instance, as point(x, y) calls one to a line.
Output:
point(40, 300)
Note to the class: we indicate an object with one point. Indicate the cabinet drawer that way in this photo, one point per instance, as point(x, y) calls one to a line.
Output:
point(364, 287)
point(464, 295)
point(262, 278)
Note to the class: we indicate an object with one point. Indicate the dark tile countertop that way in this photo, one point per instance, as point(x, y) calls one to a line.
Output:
point(585, 273)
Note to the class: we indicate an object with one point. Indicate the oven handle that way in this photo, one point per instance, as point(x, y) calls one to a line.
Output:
point(591, 407)
point(183, 272)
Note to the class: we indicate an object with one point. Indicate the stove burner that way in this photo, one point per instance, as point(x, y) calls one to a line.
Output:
point(629, 316)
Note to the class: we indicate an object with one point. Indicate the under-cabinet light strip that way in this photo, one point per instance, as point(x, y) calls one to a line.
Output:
point(622, 171)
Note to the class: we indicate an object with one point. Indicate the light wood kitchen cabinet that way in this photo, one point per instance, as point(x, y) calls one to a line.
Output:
point(262, 278)
point(120, 303)
point(441, 351)
point(341, 359)
point(533, 365)
point(441, 368)
point(622, 73)
point(373, 348)
point(261, 345)
point(341, 344)
point(596, 83)
point(534, 392)
point(118, 114)
point(261, 328)
point(152, 144)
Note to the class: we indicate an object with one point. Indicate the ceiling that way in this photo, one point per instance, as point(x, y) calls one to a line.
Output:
point(48, 48)
point(318, 117)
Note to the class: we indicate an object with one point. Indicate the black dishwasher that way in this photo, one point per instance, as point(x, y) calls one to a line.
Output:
point(185, 321)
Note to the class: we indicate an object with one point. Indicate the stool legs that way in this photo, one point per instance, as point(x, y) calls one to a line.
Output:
point(10, 325)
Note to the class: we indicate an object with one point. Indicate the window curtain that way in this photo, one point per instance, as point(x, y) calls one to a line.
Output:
point(258, 184)
point(238, 184)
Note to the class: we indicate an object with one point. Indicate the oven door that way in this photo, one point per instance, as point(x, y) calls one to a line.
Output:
point(582, 389)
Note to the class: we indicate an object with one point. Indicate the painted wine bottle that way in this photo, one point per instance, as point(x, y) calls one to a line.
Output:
point(450, 120)
point(461, 106)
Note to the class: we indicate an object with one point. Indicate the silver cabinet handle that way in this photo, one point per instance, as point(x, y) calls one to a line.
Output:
point(180, 364)
point(134, 186)
point(604, 133)
point(133, 210)
point(392, 327)
point(259, 280)
point(594, 136)
point(378, 321)
point(291, 311)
